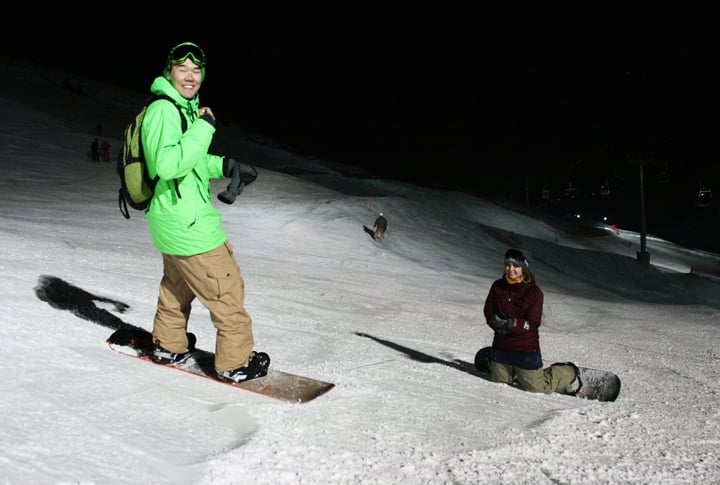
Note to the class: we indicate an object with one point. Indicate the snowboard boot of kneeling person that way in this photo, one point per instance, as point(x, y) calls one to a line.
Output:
point(256, 367)
point(576, 384)
point(483, 357)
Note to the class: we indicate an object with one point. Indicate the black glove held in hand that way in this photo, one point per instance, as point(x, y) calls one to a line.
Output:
point(247, 173)
point(228, 167)
point(207, 117)
point(501, 324)
point(241, 174)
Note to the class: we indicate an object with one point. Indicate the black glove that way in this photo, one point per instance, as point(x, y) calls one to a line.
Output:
point(501, 324)
point(241, 174)
point(209, 118)
point(248, 174)
point(228, 167)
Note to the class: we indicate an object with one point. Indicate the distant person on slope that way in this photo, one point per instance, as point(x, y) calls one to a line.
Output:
point(379, 227)
point(513, 310)
point(95, 150)
point(198, 259)
point(105, 147)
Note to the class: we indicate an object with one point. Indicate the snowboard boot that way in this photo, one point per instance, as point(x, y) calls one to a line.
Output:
point(483, 359)
point(256, 367)
point(162, 356)
point(574, 387)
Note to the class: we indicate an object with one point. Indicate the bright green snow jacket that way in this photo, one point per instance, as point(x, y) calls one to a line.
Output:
point(181, 217)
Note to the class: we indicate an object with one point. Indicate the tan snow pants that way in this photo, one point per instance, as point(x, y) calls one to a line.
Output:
point(215, 279)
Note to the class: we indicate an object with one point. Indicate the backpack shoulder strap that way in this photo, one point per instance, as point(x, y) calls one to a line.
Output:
point(156, 97)
point(183, 122)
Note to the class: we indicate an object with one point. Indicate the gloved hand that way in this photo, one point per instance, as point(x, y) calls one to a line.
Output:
point(241, 174)
point(228, 167)
point(247, 174)
point(501, 324)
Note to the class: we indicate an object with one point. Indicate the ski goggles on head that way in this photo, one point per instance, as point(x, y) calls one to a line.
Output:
point(181, 52)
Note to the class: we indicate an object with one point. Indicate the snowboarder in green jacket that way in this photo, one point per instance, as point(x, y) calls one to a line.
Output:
point(186, 228)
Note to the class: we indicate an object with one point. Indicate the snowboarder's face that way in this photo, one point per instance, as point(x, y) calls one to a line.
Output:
point(513, 271)
point(186, 78)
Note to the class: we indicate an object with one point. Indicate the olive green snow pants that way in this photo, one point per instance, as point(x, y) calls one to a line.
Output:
point(215, 279)
point(554, 378)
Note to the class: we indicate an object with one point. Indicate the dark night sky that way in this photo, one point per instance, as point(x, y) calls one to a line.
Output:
point(528, 91)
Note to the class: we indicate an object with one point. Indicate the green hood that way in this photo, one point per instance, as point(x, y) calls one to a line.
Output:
point(181, 217)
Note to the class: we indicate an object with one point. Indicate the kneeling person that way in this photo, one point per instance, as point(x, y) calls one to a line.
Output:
point(513, 310)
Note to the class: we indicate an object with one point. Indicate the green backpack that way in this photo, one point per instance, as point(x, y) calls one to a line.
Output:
point(136, 186)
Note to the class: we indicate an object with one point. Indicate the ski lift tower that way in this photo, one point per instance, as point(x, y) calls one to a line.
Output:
point(640, 159)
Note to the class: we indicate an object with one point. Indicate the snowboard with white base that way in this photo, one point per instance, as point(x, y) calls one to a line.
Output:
point(596, 384)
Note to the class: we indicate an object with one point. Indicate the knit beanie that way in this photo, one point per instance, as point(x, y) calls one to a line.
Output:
point(516, 257)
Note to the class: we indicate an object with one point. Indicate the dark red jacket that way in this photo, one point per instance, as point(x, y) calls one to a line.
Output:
point(523, 302)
